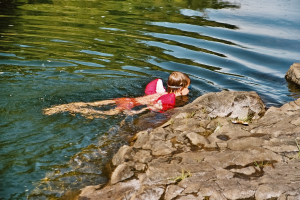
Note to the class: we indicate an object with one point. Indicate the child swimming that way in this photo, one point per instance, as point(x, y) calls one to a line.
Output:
point(156, 98)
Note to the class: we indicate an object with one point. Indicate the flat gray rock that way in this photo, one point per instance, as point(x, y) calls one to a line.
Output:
point(201, 153)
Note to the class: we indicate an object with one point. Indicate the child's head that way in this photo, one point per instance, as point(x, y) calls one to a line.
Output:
point(177, 82)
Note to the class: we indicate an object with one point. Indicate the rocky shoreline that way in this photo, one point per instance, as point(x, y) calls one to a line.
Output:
point(224, 145)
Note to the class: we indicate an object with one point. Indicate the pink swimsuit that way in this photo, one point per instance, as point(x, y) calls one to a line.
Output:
point(126, 103)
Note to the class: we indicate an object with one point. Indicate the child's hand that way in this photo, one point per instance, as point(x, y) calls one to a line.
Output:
point(156, 107)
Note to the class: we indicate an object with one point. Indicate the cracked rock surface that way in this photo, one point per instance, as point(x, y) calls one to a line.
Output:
point(200, 154)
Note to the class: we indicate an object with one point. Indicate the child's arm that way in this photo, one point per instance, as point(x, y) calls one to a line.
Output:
point(153, 107)
point(134, 112)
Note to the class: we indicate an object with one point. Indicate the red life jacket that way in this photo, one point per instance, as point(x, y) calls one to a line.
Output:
point(156, 86)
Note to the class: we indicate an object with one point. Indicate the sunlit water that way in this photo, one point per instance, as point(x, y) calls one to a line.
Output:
point(54, 52)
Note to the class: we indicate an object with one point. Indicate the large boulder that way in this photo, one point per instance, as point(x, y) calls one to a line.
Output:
point(233, 104)
point(293, 73)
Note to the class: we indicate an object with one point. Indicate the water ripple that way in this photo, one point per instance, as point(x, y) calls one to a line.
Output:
point(54, 52)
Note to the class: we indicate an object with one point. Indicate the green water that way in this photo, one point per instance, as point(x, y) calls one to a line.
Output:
point(54, 52)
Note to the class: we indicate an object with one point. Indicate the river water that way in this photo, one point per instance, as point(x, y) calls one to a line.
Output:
point(54, 52)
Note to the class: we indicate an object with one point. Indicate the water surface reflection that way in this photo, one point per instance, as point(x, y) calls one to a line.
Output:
point(55, 52)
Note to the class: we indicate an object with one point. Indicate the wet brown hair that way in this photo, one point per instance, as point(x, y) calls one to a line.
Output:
point(178, 81)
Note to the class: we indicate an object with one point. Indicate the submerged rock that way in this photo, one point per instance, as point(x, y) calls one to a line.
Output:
point(200, 153)
point(118, 191)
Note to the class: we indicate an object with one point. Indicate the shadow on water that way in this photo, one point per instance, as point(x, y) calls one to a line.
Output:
point(92, 165)
point(294, 89)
